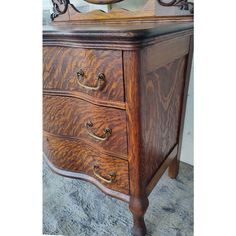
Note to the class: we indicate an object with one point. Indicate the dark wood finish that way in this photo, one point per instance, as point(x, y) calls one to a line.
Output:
point(117, 35)
point(61, 65)
point(138, 198)
point(67, 117)
point(174, 167)
point(148, 62)
point(77, 156)
point(161, 98)
point(163, 167)
point(169, 50)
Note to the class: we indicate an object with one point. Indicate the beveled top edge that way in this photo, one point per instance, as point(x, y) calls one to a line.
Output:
point(130, 29)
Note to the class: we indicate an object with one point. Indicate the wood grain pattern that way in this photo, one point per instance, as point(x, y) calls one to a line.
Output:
point(138, 199)
point(165, 52)
point(67, 117)
point(161, 170)
point(161, 105)
point(85, 97)
point(61, 65)
point(147, 109)
point(77, 156)
point(174, 167)
point(127, 34)
point(78, 175)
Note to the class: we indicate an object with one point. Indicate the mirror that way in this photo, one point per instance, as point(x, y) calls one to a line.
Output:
point(103, 1)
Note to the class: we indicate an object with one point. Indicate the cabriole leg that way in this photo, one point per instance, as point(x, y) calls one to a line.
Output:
point(138, 208)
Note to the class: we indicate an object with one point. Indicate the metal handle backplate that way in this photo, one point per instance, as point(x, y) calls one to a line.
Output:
point(110, 179)
point(106, 132)
point(99, 84)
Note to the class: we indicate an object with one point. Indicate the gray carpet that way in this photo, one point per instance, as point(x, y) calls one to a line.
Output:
point(76, 208)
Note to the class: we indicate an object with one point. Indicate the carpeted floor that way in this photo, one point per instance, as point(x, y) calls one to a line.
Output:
point(77, 208)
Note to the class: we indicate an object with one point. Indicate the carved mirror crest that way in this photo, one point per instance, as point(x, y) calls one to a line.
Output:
point(60, 7)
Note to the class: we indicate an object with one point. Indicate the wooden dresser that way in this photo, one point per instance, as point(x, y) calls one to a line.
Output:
point(114, 97)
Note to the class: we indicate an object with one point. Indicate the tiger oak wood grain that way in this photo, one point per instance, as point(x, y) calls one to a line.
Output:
point(61, 65)
point(174, 166)
point(88, 178)
point(160, 115)
point(77, 156)
point(67, 117)
point(153, 57)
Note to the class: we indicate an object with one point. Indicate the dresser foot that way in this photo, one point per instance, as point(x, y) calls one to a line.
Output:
point(139, 228)
point(138, 208)
point(174, 168)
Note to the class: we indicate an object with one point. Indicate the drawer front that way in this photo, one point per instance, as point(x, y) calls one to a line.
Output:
point(73, 117)
point(76, 156)
point(61, 67)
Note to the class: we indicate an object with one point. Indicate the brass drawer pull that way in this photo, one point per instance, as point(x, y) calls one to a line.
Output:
point(110, 179)
point(100, 81)
point(105, 136)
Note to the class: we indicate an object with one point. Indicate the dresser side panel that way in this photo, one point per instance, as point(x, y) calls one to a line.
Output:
point(161, 101)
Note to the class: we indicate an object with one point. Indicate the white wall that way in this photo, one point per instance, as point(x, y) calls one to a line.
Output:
point(187, 145)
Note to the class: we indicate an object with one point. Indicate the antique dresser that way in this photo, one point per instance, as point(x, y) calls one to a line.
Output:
point(114, 96)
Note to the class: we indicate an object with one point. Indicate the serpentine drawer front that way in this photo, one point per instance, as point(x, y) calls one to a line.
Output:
point(114, 98)
point(101, 127)
point(76, 156)
point(98, 74)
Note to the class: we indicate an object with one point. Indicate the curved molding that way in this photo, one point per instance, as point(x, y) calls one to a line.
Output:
point(121, 42)
point(118, 195)
point(85, 97)
point(120, 156)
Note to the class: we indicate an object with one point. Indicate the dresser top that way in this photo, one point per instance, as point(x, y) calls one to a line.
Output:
point(126, 33)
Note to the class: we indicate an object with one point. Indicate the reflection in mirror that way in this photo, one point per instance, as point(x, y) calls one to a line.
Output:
point(83, 6)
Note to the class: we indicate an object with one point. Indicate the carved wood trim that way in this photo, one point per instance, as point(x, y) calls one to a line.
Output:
point(63, 10)
point(59, 8)
point(182, 4)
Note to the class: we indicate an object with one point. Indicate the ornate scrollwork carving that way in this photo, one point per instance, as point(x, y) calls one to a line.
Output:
point(182, 4)
point(59, 7)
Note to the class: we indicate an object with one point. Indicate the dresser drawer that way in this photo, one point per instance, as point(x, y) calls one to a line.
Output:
point(77, 156)
point(101, 127)
point(94, 73)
